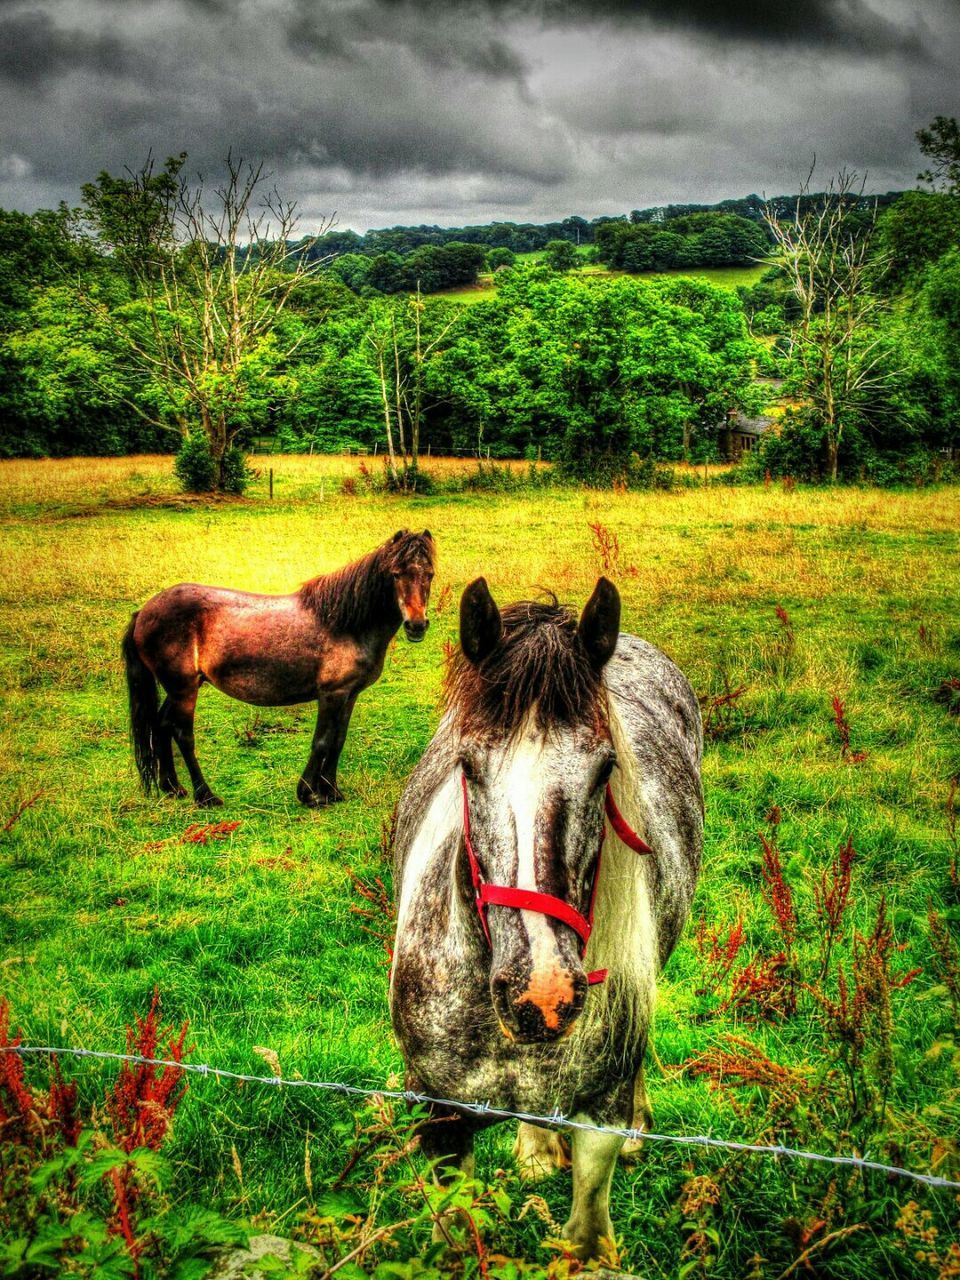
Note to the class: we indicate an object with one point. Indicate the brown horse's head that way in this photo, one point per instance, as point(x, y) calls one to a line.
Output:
point(410, 560)
point(526, 695)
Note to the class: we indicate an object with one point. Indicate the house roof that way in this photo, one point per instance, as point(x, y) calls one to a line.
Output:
point(753, 426)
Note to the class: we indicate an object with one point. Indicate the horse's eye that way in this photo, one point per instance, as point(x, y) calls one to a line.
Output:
point(606, 769)
point(470, 771)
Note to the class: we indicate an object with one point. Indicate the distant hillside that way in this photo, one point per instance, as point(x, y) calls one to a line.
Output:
point(527, 237)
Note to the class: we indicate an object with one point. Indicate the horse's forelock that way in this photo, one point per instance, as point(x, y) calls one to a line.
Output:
point(539, 665)
point(408, 551)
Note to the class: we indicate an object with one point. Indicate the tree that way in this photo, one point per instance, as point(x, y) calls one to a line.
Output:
point(826, 256)
point(561, 255)
point(500, 257)
point(940, 142)
point(212, 273)
point(404, 338)
point(914, 233)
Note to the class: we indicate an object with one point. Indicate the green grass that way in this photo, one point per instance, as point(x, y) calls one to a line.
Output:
point(255, 938)
point(727, 277)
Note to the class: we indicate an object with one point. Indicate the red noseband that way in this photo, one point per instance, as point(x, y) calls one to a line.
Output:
point(495, 895)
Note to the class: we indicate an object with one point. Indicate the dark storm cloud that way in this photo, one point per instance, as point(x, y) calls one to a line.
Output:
point(437, 40)
point(841, 23)
point(32, 48)
point(348, 105)
point(416, 110)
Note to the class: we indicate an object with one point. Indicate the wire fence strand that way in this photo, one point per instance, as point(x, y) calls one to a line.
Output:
point(484, 1109)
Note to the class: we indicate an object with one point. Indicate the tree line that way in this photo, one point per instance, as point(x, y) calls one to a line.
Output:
point(161, 316)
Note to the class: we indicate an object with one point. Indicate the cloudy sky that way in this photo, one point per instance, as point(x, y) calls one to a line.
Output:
point(407, 111)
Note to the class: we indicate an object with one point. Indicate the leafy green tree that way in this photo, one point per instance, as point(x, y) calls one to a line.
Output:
point(913, 233)
point(500, 257)
point(561, 255)
point(592, 373)
point(73, 389)
point(935, 342)
point(940, 143)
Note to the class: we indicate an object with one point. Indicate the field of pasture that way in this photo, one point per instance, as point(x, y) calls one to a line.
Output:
point(727, 277)
point(813, 1000)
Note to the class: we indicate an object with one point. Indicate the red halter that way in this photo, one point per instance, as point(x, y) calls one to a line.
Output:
point(494, 895)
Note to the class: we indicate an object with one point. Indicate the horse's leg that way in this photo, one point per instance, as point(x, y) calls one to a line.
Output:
point(328, 772)
point(642, 1119)
point(540, 1152)
point(168, 780)
point(317, 785)
point(589, 1225)
point(181, 705)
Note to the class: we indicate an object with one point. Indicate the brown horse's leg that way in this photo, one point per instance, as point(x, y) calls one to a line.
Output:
point(168, 780)
point(180, 708)
point(318, 782)
point(329, 770)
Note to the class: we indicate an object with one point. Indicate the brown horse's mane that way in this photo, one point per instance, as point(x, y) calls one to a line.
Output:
point(539, 663)
point(350, 598)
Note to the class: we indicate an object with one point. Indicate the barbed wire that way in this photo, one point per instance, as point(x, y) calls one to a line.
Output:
point(485, 1109)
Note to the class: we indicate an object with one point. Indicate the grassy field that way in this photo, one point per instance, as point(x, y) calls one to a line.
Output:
point(728, 277)
point(261, 941)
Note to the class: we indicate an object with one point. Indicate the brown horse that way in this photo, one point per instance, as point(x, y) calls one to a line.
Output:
point(325, 643)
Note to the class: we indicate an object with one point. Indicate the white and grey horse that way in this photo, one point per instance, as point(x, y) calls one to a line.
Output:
point(526, 959)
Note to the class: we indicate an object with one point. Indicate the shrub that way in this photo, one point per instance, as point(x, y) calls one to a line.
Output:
point(196, 467)
point(235, 474)
point(194, 464)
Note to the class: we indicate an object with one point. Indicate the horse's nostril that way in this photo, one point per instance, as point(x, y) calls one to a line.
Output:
point(530, 1016)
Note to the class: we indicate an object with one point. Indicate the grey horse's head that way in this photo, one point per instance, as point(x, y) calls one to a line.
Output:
point(527, 697)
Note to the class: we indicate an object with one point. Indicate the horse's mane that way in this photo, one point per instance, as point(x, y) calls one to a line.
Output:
point(540, 663)
point(348, 598)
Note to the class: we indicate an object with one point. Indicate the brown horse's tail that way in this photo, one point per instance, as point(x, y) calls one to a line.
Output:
point(144, 711)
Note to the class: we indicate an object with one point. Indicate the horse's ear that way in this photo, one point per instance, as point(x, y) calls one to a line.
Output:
point(428, 535)
point(398, 535)
point(599, 624)
point(480, 624)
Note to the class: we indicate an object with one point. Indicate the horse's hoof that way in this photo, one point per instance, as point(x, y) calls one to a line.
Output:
point(540, 1152)
point(317, 799)
point(594, 1243)
point(208, 801)
point(175, 790)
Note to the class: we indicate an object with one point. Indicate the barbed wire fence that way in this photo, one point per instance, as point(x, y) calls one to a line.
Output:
point(485, 1110)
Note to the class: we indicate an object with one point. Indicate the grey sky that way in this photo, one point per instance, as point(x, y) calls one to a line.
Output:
point(405, 111)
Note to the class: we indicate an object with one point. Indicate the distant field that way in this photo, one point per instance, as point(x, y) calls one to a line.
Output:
point(728, 277)
point(259, 938)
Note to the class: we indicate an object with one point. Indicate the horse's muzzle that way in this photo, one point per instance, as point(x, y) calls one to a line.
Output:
point(415, 631)
point(541, 1012)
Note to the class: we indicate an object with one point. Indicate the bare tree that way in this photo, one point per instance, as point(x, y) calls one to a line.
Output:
point(212, 272)
point(401, 375)
point(825, 250)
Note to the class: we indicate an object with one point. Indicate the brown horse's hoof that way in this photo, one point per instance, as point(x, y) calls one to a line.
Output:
point(317, 799)
point(208, 801)
point(178, 792)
